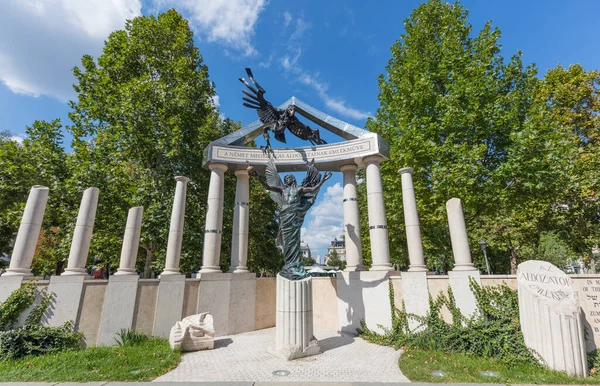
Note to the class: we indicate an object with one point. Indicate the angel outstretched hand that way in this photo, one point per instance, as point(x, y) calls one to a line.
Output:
point(326, 176)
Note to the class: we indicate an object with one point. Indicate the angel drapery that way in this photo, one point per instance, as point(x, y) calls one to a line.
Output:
point(294, 202)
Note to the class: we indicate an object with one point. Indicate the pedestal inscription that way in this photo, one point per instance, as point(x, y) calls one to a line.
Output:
point(589, 298)
point(550, 318)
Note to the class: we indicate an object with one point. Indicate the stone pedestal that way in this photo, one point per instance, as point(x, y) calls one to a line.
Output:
point(415, 293)
point(294, 320)
point(550, 316)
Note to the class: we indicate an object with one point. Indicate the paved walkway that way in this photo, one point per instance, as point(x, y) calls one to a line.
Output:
point(244, 358)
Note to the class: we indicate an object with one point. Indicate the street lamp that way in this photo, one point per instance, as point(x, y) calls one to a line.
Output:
point(483, 246)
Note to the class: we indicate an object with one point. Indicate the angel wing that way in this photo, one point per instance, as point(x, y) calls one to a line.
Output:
point(267, 113)
point(304, 132)
point(313, 176)
point(273, 179)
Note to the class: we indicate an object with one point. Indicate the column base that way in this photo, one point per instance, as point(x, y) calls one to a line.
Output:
point(465, 267)
point(240, 269)
point(382, 267)
point(170, 271)
point(417, 268)
point(126, 271)
point(355, 268)
point(18, 272)
point(74, 272)
point(210, 268)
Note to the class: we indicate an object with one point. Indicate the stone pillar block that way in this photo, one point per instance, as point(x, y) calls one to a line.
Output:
point(119, 306)
point(415, 293)
point(169, 304)
point(67, 291)
point(551, 320)
point(8, 284)
point(294, 320)
point(464, 297)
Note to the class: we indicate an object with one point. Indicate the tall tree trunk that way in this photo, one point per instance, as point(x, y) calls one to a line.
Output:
point(513, 261)
point(149, 261)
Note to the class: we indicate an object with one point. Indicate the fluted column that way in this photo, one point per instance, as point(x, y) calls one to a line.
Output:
point(239, 240)
point(176, 229)
point(82, 235)
point(351, 220)
point(458, 236)
point(380, 249)
point(29, 232)
point(411, 222)
point(214, 219)
point(131, 241)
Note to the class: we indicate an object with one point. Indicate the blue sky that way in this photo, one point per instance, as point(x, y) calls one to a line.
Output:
point(326, 53)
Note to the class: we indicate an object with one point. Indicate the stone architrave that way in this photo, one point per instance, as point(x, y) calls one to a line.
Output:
point(176, 228)
point(82, 235)
point(131, 241)
point(29, 232)
point(294, 320)
point(550, 316)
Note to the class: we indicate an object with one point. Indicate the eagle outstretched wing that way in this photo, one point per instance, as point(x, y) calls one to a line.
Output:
point(267, 113)
point(273, 179)
point(313, 176)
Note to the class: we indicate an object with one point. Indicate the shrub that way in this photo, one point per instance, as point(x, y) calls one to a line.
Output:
point(18, 301)
point(494, 331)
point(129, 337)
point(38, 340)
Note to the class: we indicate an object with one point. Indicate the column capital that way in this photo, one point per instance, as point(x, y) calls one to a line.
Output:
point(183, 179)
point(348, 168)
point(241, 173)
point(373, 159)
point(406, 170)
point(217, 166)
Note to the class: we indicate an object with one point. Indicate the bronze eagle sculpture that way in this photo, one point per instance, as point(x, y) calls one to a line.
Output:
point(275, 118)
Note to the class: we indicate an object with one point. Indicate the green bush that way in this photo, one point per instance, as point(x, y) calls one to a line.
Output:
point(494, 331)
point(129, 337)
point(38, 340)
point(32, 338)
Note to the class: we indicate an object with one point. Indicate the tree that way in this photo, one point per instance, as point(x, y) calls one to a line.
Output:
point(333, 260)
point(146, 104)
point(448, 106)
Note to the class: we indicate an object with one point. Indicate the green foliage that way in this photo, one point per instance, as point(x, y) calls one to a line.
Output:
point(18, 301)
point(494, 331)
point(38, 340)
point(333, 260)
point(128, 337)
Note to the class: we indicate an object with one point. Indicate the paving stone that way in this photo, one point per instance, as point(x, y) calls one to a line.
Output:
point(244, 358)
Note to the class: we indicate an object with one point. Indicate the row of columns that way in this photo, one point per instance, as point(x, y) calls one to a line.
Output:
point(376, 210)
point(29, 229)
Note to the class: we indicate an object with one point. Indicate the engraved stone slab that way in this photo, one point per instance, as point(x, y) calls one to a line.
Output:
point(588, 288)
point(550, 318)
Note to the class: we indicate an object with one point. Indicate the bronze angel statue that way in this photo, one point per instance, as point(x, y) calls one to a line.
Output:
point(276, 119)
point(293, 201)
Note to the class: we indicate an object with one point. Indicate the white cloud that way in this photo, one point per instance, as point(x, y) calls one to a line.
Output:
point(267, 64)
point(230, 22)
point(215, 100)
point(287, 18)
point(301, 27)
point(336, 104)
point(41, 41)
point(327, 221)
point(18, 139)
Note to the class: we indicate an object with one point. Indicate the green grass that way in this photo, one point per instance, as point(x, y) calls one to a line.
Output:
point(417, 365)
point(140, 362)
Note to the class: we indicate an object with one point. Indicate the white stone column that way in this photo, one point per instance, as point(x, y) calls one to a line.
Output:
point(351, 220)
point(458, 236)
point(131, 241)
point(380, 249)
point(176, 229)
point(239, 239)
point(214, 219)
point(412, 224)
point(29, 232)
point(82, 234)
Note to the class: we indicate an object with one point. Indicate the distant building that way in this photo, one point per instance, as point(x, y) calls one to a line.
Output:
point(305, 250)
point(339, 246)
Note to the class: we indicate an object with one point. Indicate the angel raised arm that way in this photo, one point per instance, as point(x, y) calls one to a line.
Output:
point(294, 202)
